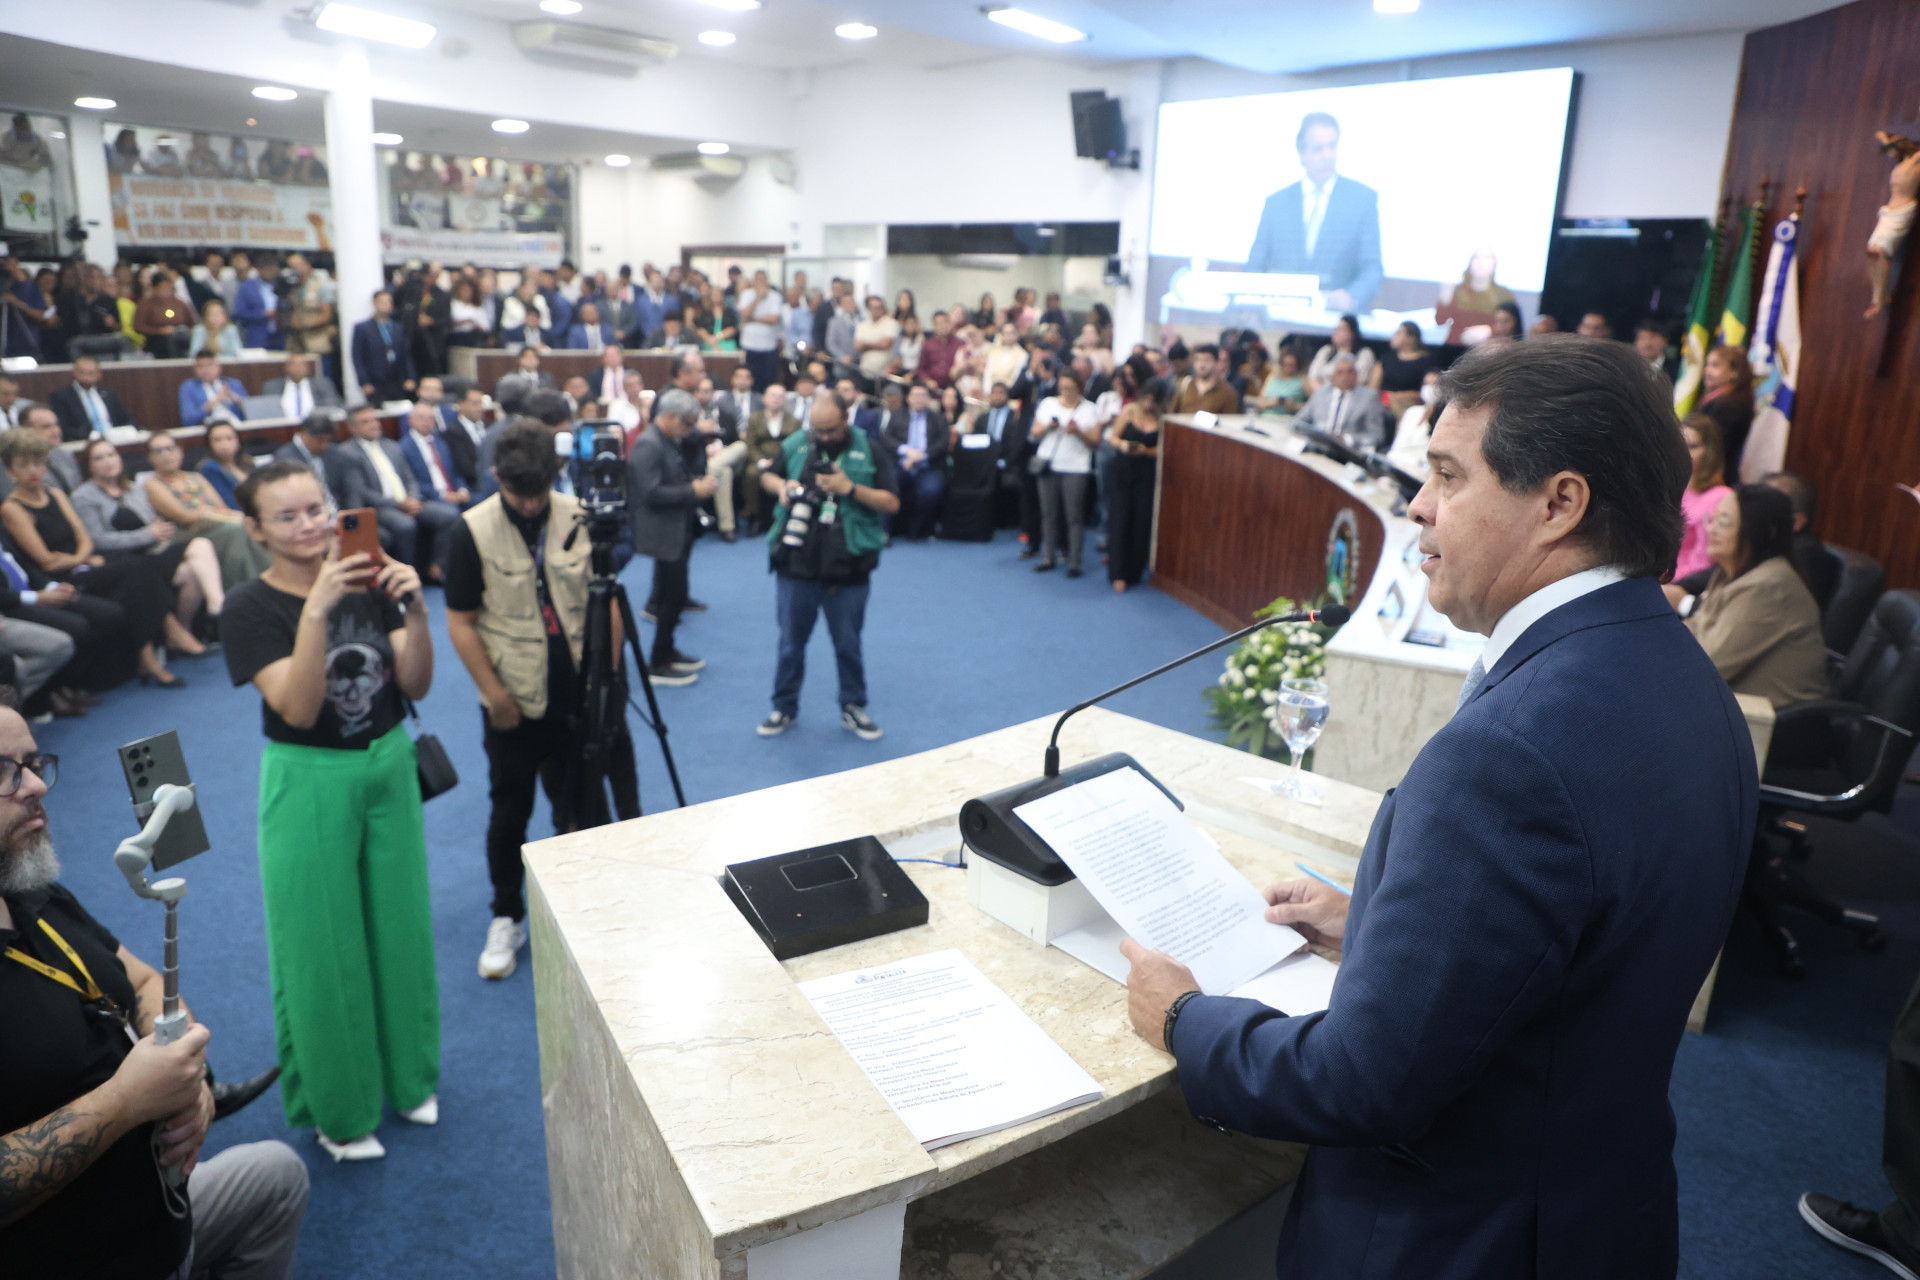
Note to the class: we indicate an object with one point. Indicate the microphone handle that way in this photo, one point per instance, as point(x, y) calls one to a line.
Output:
point(1332, 615)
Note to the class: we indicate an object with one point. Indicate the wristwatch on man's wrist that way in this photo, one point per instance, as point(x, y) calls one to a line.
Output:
point(1173, 1012)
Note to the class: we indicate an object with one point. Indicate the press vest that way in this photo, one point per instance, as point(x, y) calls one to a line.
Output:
point(509, 621)
point(859, 524)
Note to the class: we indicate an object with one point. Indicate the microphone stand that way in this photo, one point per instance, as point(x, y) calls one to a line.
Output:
point(991, 828)
point(1332, 616)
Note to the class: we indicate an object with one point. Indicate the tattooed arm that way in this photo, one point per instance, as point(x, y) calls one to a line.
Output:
point(153, 1082)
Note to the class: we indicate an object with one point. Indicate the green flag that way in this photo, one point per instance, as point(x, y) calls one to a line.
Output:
point(1736, 317)
point(1693, 344)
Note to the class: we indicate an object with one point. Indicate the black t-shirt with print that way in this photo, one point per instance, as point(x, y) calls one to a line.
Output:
point(110, 1222)
point(257, 629)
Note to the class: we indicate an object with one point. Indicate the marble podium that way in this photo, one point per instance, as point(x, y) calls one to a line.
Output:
point(702, 1122)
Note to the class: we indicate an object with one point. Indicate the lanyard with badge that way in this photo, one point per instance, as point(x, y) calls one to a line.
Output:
point(97, 1002)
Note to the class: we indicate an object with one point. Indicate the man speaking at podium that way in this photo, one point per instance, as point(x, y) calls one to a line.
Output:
point(1540, 898)
point(1323, 225)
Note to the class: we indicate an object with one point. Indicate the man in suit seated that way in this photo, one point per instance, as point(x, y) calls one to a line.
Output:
point(1348, 410)
point(527, 376)
point(207, 395)
point(63, 465)
point(732, 410)
point(672, 333)
point(84, 406)
point(372, 472)
point(312, 447)
point(1323, 225)
point(423, 444)
point(918, 437)
point(590, 332)
point(302, 390)
point(382, 356)
point(1534, 910)
point(1819, 568)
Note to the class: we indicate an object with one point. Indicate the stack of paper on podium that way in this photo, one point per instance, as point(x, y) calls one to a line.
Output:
point(946, 1048)
point(1164, 882)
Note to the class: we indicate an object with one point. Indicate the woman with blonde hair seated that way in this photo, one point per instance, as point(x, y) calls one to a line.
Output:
point(1756, 619)
point(186, 499)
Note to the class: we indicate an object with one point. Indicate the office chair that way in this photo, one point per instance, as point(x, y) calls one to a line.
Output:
point(1837, 758)
point(1861, 581)
point(101, 346)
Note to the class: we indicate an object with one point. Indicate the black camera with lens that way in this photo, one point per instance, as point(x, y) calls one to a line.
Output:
point(599, 466)
point(812, 545)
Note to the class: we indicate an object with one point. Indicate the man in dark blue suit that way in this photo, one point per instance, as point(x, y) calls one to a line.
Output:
point(1324, 225)
point(382, 362)
point(1540, 898)
point(424, 446)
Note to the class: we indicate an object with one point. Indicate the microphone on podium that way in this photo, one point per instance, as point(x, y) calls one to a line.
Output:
point(988, 823)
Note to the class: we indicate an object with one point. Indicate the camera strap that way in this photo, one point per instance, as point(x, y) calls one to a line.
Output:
point(548, 614)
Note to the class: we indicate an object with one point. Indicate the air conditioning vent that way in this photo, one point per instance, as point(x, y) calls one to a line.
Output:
point(575, 40)
point(700, 166)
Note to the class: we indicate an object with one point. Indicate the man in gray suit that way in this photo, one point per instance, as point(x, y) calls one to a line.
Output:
point(662, 499)
point(311, 447)
point(1348, 410)
point(63, 465)
point(302, 390)
point(372, 472)
point(1324, 225)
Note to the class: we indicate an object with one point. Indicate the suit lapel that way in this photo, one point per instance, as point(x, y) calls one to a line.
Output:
point(1628, 601)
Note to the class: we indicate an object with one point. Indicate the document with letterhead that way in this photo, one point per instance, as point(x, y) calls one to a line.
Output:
point(947, 1049)
point(1161, 879)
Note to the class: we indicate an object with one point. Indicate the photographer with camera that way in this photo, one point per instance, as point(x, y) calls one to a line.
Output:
point(92, 1106)
point(833, 487)
point(663, 501)
point(516, 612)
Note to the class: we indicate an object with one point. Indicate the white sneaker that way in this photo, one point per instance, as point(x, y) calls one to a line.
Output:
point(504, 937)
point(365, 1147)
point(427, 1112)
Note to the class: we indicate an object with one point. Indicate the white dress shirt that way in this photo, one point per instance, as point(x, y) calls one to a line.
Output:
point(96, 406)
point(296, 399)
point(476, 431)
point(613, 385)
point(1514, 623)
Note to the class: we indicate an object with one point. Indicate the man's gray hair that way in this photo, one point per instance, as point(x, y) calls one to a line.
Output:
point(1346, 357)
point(680, 404)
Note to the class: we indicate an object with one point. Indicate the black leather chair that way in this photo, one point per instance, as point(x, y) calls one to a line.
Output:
point(1837, 758)
point(1861, 581)
point(101, 346)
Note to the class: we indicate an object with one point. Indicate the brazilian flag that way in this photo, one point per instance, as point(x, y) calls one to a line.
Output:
point(1693, 345)
point(1736, 316)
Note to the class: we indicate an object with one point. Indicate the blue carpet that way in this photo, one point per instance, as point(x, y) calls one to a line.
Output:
point(1783, 1096)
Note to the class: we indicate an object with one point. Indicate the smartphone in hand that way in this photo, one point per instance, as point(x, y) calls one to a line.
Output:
point(359, 530)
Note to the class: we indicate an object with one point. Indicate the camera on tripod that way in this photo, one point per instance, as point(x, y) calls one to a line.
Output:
point(600, 478)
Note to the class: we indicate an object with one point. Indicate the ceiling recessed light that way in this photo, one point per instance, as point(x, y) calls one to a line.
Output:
point(387, 139)
point(57, 134)
point(735, 6)
point(561, 8)
point(1035, 25)
point(274, 93)
point(718, 39)
point(1395, 6)
point(511, 126)
point(251, 122)
point(366, 24)
point(618, 161)
point(714, 148)
point(856, 31)
point(96, 104)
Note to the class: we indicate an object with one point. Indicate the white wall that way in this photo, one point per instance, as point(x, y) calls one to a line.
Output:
point(1650, 136)
point(635, 216)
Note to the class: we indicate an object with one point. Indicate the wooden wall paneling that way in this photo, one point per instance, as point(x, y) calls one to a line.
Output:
point(491, 366)
point(149, 388)
point(1811, 95)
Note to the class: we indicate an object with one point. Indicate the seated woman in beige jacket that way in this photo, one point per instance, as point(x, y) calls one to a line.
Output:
point(1756, 619)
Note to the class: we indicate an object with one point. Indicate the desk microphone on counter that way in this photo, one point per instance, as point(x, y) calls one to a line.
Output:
point(988, 823)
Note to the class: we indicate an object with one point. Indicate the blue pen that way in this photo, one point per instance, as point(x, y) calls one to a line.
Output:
point(1324, 879)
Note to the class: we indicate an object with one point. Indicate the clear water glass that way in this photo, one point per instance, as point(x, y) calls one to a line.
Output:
point(1300, 712)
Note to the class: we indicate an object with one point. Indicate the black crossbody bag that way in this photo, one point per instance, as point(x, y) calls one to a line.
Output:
point(437, 774)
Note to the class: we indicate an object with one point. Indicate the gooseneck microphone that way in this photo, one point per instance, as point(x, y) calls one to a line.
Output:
point(1333, 615)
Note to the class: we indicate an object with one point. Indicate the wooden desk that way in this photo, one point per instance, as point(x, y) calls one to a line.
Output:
point(702, 1122)
point(150, 388)
point(1240, 522)
point(259, 437)
point(487, 365)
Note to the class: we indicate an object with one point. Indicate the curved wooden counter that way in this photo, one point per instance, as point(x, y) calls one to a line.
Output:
point(1240, 521)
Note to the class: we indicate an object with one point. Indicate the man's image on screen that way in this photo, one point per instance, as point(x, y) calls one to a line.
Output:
point(1324, 225)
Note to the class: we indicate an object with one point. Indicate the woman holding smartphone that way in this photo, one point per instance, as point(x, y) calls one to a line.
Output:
point(333, 643)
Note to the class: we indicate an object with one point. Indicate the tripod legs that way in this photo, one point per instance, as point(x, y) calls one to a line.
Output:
point(606, 761)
